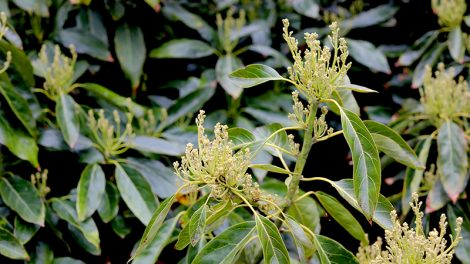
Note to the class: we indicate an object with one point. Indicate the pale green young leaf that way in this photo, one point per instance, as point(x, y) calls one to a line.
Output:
point(155, 224)
point(109, 207)
point(332, 252)
point(10, 247)
point(392, 144)
point(155, 247)
point(367, 54)
point(182, 49)
point(274, 249)
point(456, 44)
point(136, 192)
point(452, 159)
point(341, 215)
point(225, 247)
point(67, 119)
point(255, 74)
point(366, 162)
point(90, 191)
point(21, 196)
point(224, 66)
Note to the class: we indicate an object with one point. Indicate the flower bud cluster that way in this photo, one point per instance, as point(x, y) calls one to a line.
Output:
point(109, 137)
point(410, 245)
point(212, 163)
point(149, 123)
point(443, 97)
point(450, 12)
point(320, 127)
point(39, 181)
point(317, 73)
point(225, 28)
point(58, 74)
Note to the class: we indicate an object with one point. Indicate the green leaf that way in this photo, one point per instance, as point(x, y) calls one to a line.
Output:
point(413, 177)
point(437, 197)
point(330, 251)
point(345, 98)
point(21, 145)
point(274, 250)
point(456, 44)
point(305, 212)
point(85, 43)
point(461, 251)
point(157, 146)
point(115, 99)
point(270, 167)
point(452, 159)
point(254, 74)
point(109, 207)
point(90, 191)
point(182, 49)
point(225, 248)
point(82, 241)
point(302, 240)
point(130, 51)
point(20, 107)
point(371, 17)
point(136, 192)
point(392, 144)
point(357, 88)
point(38, 7)
point(381, 216)
point(226, 65)
point(67, 119)
point(309, 8)
point(367, 54)
point(24, 231)
point(428, 59)
point(120, 226)
point(162, 238)
point(66, 211)
point(19, 62)
point(67, 260)
point(155, 224)
point(10, 247)
point(197, 225)
point(341, 215)
point(366, 162)
point(43, 254)
point(21, 196)
point(419, 47)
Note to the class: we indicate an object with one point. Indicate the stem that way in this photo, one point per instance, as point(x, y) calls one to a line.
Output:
point(302, 159)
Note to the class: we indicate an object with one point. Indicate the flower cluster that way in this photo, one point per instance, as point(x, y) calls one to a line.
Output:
point(39, 181)
point(3, 31)
point(410, 245)
point(214, 164)
point(450, 12)
point(149, 124)
point(108, 137)
point(58, 74)
point(317, 73)
point(442, 97)
point(225, 28)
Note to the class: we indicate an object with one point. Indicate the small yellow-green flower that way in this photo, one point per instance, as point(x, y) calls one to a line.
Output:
point(450, 12)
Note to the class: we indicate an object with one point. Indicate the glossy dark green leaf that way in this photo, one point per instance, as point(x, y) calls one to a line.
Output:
point(24, 231)
point(162, 238)
point(268, 117)
point(82, 240)
point(109, 207)
point(305, 212)
point(452, 160)
point(90, 191)
point(366, 162)
point(225, 247)
point(392, 144)
point(155, 224)
point(21, 145)
point(121, 226)
point(176, 12)
point(367, 54)
point(413, 177)
point(43, 254)
point(341, 215)
point(461, 251)
point(428, 59)
point(66, 211)
point(254, 74)
point(38, 7)
point(130, 50)
point(85, 43)
point(330, 251)
point(20, 107)
point(456, 44)
point(274, 250)
point(115, 99)
point(182, 49)
point(224, 67)
point(19, 62)
point(381, 216)
point(157, 146)
point(67, 119)
point(136, 192)
point(21, 196)
point(371, 17)
point(279, 59)
point(10, 246)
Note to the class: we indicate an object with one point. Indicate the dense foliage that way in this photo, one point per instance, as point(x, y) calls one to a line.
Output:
point(323, 121)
